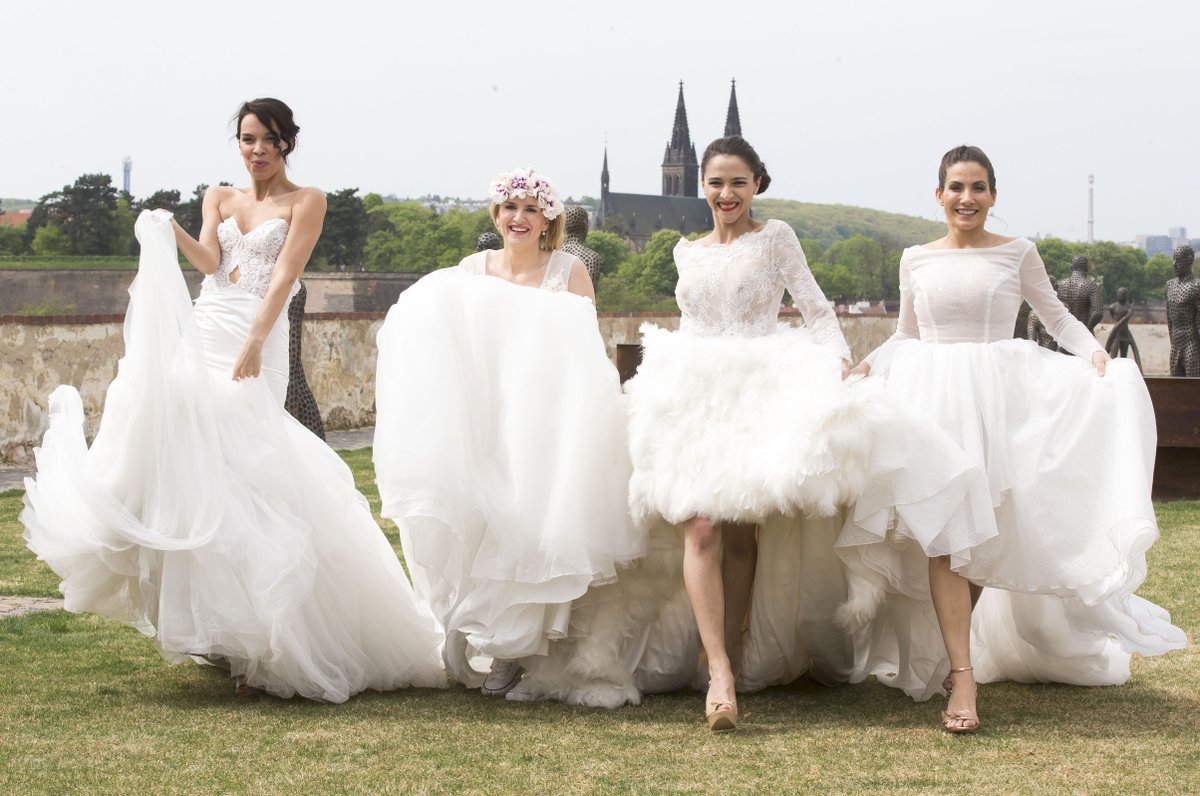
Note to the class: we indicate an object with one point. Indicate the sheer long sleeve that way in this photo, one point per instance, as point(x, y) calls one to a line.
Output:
point(906, 324)
point(793, 268)
point(1070, 333)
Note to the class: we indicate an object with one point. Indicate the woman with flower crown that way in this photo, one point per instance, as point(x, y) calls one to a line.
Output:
point(499, 442)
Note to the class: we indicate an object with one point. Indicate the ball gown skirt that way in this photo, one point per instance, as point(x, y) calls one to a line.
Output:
point(500, 453)
point(206, 516)
point(1058, 523)
point(763, 430)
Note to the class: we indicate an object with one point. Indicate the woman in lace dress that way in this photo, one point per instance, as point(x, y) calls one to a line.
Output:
point(1060, 518)
point(499, 442)
point(746, 436)
point(203, 514)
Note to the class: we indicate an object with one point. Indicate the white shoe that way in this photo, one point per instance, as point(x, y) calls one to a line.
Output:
point(501, 679)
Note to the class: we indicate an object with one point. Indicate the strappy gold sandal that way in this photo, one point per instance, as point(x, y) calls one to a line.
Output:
point(963, 720)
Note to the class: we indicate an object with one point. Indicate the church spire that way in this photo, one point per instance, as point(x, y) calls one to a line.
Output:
point(680, 167)
point(733, 121)
point(680, 137)
point(604, 172)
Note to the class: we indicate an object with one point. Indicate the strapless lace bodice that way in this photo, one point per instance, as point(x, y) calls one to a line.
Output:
point(972, 296)
point(558, 270)
point(252, 255)
point(737, 288)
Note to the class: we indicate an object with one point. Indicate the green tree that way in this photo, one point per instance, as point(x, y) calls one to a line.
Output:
point(44, 212)
point(658, 273)
point(612, 248)
point(189, 214)
point(51, 241)
point(1057, 253)
point(159, 200)
point(835, 281)
point(12, 240)
point(342, 245)
point(124, 241)
point(1119, 266)
point(864, 259)
point(1155, 273)
point(86, 214)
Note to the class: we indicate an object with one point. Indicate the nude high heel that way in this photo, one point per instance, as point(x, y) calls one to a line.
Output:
point(722, 716)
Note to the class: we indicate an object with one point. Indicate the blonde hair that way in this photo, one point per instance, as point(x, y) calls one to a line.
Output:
point(550, 239)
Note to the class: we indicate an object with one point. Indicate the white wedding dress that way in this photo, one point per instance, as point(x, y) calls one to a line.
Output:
point(737, 418)
point(500, 454)
point(1060, 518)
point(206, 516)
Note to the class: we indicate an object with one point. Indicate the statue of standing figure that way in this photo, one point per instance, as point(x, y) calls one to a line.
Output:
point(1120, 338)
point(1036, 330)
point(488, 240)
point(576, 233)
point(1183, 311)
point(1081, 295)
point(299, 400)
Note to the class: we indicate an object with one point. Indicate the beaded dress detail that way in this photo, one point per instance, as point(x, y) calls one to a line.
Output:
point(251, 254)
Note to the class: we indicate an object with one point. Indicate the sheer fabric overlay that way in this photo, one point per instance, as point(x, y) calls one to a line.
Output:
point(1059, 519)
point(206, 516)
point(500, 454)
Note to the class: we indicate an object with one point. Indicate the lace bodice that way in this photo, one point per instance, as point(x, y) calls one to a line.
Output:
point(558, 269)
point(973, 295)
point(252, 255)
point(737, 288)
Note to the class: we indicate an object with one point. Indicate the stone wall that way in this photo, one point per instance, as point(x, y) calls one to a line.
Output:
point(339, 357)
point(105, 291)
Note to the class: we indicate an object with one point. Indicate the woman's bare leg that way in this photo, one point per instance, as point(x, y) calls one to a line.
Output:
point(953, 598)
point(740, 548)
point(702, 576)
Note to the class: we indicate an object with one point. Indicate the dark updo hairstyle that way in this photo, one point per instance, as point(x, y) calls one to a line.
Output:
point(738, 147)
point(276, 116)
point(966, 154)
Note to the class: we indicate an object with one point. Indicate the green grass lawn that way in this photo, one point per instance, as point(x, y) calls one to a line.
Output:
point(88, 706)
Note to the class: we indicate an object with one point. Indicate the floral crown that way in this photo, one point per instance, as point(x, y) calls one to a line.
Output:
point(527, 182)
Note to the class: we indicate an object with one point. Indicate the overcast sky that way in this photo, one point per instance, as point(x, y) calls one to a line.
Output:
point(847, 102)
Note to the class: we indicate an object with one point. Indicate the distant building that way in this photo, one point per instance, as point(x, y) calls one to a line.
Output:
point(1165, 244)
point(680, 206)
point(14, 218)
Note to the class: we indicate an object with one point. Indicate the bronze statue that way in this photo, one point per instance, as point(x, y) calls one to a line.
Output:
point(577, 230)
point(1120, 338)
point(1183, 311)
point(489, 240)
point(299, 402)
point(1035, 330)
point(1081, 295)
point(1021, 327)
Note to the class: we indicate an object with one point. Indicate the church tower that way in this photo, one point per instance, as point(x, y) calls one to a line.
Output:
point(602, 210)
point(733, 121)
point(604, 173)
point(680, 169)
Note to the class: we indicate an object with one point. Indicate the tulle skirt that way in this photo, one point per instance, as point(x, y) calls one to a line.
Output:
point(207, 517)
point(500, 453)
point(1058, 523)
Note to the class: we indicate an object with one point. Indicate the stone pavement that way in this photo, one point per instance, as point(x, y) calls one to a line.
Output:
point(19, 606)
point(12, 477)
